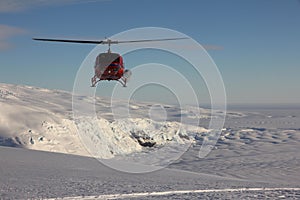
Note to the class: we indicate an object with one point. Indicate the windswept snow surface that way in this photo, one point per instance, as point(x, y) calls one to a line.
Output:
point(38, 119)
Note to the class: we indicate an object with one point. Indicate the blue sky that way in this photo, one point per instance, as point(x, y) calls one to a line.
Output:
point(258, 41)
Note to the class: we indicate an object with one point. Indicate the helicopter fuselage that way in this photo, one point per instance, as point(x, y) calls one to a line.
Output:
point(109, 66)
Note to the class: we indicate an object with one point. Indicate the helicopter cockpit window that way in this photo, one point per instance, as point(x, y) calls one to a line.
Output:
point(105, 59)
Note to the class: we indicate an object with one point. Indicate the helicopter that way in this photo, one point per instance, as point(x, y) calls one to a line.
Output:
point(109, 66)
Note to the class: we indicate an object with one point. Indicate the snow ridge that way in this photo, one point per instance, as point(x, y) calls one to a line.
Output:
point(41, 119)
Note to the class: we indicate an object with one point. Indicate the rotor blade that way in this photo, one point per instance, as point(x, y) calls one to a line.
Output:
point(151, 40)
point(107, 41)
point(70, 41)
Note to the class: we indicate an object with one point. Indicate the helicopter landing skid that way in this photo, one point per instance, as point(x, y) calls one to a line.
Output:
point(123, 82)
point(94, 81)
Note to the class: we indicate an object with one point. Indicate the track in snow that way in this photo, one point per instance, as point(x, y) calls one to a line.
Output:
point(180, 192)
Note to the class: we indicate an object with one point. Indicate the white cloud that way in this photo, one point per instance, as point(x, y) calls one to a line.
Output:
point(6, 32)
point(7, 6)
point(12, 6)
point(16, 5)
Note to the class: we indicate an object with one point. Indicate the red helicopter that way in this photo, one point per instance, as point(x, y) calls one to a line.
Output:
point(108, 66)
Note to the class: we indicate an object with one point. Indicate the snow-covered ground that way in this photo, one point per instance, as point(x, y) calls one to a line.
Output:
point(27, 174)
point(257, 147)
point(42, 119)
point(39, 119)
point(263, 145)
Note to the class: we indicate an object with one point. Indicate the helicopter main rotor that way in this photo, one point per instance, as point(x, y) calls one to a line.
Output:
point(106, 41)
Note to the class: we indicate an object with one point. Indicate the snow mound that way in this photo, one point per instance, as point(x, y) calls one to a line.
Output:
point(42, 119)
point(106, 139)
